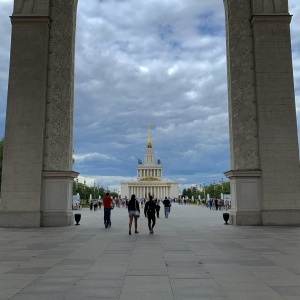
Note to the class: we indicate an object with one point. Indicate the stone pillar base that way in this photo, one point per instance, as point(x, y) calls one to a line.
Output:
point(57, 198)
point(245, 187)
point(57, 218)
point(281, 217)
point(19, 219)
point(245, 218)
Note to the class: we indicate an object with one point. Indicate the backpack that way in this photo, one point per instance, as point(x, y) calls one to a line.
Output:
point(151, 207)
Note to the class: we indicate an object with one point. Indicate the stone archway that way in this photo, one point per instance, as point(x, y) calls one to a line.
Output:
point(37, 176)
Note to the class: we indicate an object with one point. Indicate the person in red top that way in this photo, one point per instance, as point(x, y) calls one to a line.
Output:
point(107, 205)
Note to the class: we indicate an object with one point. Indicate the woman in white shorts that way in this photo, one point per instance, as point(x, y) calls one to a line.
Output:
point(134, 212)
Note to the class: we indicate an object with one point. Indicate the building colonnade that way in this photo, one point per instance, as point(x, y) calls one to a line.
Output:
point(142, 191)
point(149, 173)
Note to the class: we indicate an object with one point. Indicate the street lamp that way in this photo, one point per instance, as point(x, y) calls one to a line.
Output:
point(94, 189)
point(222, 188)
point(214, 183)
point(76, 185)
point(84, 187)
point(204, 190)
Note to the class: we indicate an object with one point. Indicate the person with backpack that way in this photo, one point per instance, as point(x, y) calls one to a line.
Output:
point(150, 211)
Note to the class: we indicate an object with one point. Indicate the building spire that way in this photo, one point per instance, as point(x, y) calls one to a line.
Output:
point(149, 145)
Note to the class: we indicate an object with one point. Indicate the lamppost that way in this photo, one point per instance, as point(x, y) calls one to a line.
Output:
point(94, 189)
point(76, 186)
point(214, 183)
point(222, 188)
point(84, 187)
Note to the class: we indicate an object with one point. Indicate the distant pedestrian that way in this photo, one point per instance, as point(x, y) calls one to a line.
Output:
point(91, 205)
point(107, 205)
point(134, 213)
point(216, 204)
point(167, 206)
point(149, 211)
point(226, 204)
point(210, 202)
point(157, 208)
point(95, 204)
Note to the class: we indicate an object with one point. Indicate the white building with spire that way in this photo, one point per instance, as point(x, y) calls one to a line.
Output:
point(149, 178)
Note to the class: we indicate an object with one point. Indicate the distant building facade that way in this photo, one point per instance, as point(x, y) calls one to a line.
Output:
point(149, 178)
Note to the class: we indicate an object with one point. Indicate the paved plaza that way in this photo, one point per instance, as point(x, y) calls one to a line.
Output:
point(191, 255)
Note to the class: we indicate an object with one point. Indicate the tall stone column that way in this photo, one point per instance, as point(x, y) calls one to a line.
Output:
point(25, 117)
point(37, 177)
point(277, 131)
point(245, 174)
point(264, 172)
point(57, 175)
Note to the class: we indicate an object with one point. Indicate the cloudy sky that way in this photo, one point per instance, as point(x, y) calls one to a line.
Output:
point(158, 61)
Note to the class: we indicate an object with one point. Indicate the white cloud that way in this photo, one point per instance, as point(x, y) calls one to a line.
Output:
point(143, 69)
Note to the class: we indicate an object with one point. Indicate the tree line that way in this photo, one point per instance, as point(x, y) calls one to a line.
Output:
point(85, 191)
point(214, 191)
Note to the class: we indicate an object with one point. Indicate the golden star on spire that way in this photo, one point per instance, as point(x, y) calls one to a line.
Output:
point(149, 145)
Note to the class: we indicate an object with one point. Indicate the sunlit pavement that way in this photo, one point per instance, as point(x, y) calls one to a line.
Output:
point(191, 255)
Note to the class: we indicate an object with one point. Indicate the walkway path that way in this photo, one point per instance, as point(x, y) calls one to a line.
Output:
point(191, 255)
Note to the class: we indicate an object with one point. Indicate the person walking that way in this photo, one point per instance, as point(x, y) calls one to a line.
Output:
point(217, 204)
point(157, 208)
point(107, 205)
point(95, 204)
point(149, 211)
point(133, 211)
point(167, 205)
point(210, 203)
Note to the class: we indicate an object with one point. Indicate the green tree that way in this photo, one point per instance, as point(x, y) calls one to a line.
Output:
point(1, 158)
point(215, 190)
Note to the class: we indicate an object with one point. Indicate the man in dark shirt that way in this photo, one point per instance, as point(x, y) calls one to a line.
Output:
point(149, 211)
point(167, 205)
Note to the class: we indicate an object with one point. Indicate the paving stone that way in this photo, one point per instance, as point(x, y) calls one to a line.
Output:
point(191, 255)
